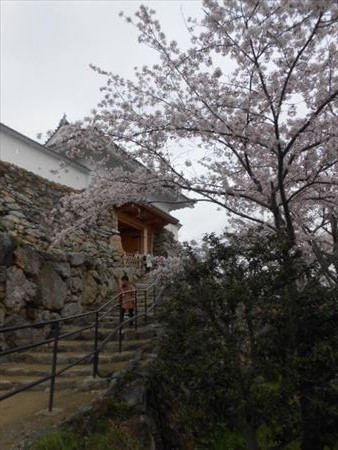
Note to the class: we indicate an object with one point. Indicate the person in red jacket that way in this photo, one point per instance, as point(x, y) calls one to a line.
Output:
point(127, 298)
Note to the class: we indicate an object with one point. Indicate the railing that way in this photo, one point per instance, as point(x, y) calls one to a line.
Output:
point(151, 296)
point(131, 260)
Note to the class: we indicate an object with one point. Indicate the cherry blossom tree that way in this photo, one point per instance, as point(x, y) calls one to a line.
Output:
point(254, 98)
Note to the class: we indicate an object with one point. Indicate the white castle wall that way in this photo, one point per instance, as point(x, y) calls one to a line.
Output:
point(31, 156)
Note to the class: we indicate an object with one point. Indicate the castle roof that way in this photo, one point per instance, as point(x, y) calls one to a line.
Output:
point(118, 157)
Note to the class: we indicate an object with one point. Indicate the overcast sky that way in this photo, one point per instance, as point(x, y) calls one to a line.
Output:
point(46, 49)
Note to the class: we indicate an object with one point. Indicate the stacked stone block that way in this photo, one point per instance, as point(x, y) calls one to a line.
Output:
point(39, 281)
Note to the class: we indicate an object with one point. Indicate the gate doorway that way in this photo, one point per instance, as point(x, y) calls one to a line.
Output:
point(131, 238)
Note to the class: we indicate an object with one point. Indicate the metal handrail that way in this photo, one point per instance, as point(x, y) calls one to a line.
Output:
point(55, 327)
point(119, 329)
point(64, 319)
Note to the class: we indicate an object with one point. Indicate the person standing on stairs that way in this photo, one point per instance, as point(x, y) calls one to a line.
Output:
point(148, 262)
point(127, 298)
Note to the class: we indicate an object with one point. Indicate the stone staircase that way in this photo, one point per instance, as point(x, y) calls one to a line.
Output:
point(26, 367)
point(76, 388)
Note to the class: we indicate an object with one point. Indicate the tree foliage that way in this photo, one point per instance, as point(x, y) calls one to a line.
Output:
point(251, 347)
point(254, 98)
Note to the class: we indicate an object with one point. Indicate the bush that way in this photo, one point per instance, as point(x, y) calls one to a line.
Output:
point(113, 439)
point(107, 437)
point(59, 440)
point(251, 345)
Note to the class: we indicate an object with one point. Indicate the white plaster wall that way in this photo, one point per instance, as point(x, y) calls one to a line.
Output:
point(174, 229)
point(30, 156)
point(40, 162)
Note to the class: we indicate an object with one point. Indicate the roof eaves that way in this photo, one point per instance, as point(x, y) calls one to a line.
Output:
point(168, 217)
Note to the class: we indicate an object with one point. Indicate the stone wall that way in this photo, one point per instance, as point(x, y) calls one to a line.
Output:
point(26, 205)
point(39, 282)
point(38, 285)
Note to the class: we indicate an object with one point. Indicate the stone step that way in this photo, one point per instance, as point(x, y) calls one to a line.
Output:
point(116, 310)
point(27, 367)
point(8, 370)
point(62, 382)
point(77, 345)
point(16, 369)
point(115, 320)
point(70, 357)
point(110, 321)
point(142, 332)
point(75, 385)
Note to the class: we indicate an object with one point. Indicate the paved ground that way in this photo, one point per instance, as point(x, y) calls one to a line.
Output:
point(34, 416)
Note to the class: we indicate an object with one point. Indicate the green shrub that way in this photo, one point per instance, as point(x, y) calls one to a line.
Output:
point(228, 440)
point(107, 437)
point(255, 329)
point(58, 440)
point(119, 410)
point(113, 439)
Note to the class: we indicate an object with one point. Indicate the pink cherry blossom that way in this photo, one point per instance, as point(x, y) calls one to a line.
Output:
point(254, 98)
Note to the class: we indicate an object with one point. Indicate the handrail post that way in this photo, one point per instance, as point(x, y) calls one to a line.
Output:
point(154, 298)
point(136, 312)
point(54, 361)
point(96, 340)
point(120, 323)
point(145, 307)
